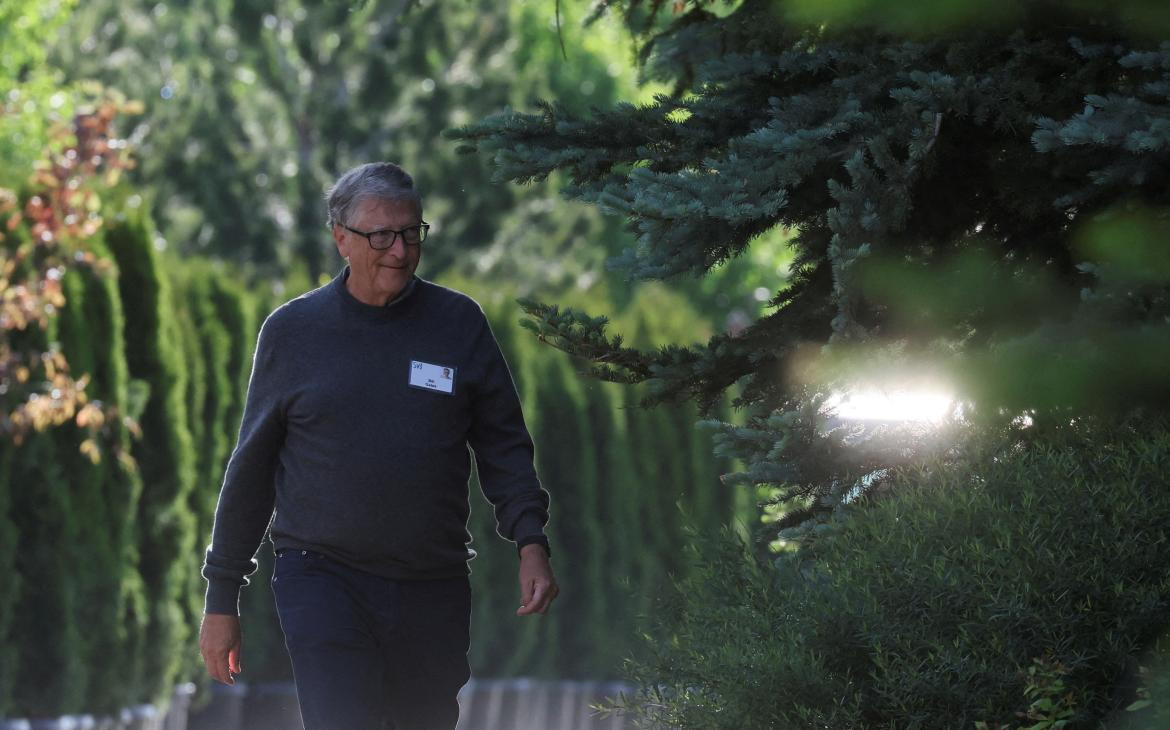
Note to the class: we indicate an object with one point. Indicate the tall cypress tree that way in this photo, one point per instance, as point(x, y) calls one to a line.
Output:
point(51, 676)
point(120, 593)
point(93, 555)
point(165, 453)
point(10, 584)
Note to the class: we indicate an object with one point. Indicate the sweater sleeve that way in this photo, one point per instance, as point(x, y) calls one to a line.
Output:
point(503, 448)
point(248, 495)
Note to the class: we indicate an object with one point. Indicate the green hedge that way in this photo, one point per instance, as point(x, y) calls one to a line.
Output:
point(100, 593)
point(165, 453)
point(11, 584)
point(71, 588)
point(50, 675)
point(104, 496)
point(927, 607)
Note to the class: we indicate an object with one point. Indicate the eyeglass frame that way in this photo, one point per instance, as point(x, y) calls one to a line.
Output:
point(421, 225)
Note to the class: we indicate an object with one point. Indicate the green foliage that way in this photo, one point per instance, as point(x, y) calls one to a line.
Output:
point(32, 95)
point(48, 672)
point(904, 17)
point(81, 628)
point(121, 486)
point(165, 453)
point(929, 606)
point(253, 109)
point(233, 312)
point(51, 676)
point(11, 584)
point(104, 575)
point(104, 493)
point(1051, 704)
point(966, 203)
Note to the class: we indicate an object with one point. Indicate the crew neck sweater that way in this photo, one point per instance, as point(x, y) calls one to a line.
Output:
point(346, 449)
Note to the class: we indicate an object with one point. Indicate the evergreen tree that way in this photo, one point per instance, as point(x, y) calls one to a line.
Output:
point(51, 676)
point(10, 585)
point(64, 472)
point(119, 593)
point(253, 109)
point(102, 483)
point(941, 181)
point(165, 454)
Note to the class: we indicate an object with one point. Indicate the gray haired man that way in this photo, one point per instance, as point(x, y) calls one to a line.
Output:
point(364, 398)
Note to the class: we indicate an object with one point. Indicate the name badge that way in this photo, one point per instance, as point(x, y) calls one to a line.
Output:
point(432, 377)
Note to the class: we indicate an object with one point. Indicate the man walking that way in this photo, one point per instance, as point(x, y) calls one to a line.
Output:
point(364, 397)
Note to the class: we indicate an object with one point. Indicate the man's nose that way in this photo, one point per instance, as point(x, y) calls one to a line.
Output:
point(399, 241)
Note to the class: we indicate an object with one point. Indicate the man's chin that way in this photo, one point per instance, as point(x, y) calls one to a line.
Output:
point(391, 279)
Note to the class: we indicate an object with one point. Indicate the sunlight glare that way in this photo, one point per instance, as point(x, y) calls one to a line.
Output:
point(891, 405)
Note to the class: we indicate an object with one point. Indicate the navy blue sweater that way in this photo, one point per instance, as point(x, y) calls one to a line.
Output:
point(362, 458)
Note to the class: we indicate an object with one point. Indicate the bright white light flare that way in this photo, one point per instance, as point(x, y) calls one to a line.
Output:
point(892, 405)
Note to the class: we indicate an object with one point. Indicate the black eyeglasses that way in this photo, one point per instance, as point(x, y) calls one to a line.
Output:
point(383, 239)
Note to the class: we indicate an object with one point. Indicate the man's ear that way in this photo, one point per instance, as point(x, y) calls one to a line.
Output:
point(340, 239)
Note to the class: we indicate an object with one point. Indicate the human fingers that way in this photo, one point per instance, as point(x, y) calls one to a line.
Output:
point(546, 597)
point(217, 666)
point(526, 588)
point(219, 643)
point(542, 596)
point(531, 596)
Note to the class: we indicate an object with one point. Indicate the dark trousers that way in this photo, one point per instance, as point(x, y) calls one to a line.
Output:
point(370, 652)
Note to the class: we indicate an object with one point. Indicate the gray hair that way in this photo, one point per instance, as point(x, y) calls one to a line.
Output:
point(379, 180)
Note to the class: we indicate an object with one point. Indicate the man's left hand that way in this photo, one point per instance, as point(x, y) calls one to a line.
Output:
point(538, 586)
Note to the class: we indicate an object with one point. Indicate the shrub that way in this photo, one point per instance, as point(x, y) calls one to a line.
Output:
point(103, 493)
point(10, 584)
point(165, 454)
point(929, 605)
point(51, 677)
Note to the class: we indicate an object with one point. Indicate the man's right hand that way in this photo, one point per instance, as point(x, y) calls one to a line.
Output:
point(219, 642)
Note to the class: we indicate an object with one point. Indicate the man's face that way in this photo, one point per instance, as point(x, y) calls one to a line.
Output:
point(376, 277)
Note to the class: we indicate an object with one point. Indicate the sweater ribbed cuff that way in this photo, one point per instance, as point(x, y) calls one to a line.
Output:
point(538, 539)
point(529, 528)
point(223, 596)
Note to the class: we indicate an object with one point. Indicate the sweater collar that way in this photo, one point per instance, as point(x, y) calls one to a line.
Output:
point(352, 304)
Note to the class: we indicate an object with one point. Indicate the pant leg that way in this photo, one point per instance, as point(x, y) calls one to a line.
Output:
point(426, 652)
point(337, 662)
